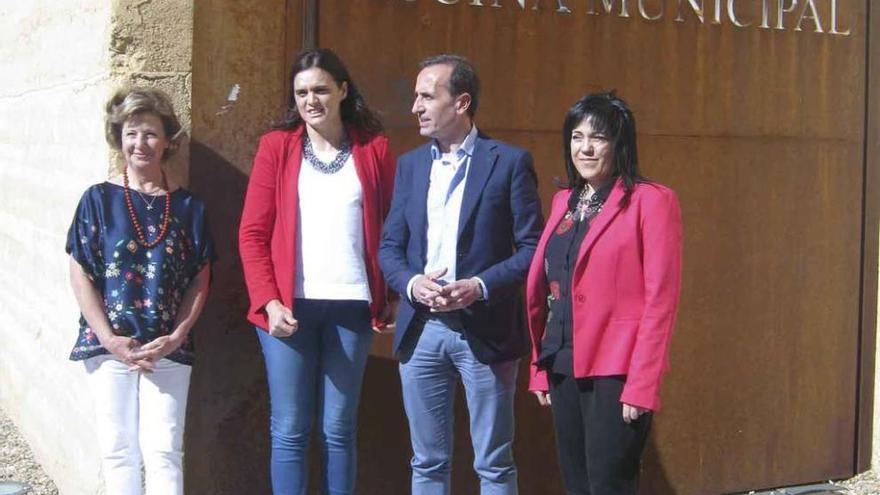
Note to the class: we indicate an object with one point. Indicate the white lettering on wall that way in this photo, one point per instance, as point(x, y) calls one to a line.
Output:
point(817, 16)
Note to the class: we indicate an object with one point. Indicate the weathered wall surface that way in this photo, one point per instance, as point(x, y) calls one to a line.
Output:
point(61, 61)
point(872, 249)
point(237, 43)
point(150, 44)
point(54, 82)
point(875, 445)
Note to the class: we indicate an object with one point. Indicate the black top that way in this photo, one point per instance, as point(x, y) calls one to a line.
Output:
point(560, 257)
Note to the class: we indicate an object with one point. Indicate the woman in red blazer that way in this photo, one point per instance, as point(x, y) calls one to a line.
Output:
point(602, 295)
point(318, 193)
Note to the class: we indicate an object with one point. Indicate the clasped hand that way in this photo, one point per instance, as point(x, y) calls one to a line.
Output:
point(440, 297)
point(139, 357)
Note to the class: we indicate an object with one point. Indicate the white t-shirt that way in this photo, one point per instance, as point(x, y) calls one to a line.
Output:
point(330, 234)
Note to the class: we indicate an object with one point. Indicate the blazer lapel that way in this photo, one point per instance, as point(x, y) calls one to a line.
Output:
point(480, 169)
point(599, 223)
point(366, 173)
point(421, 181)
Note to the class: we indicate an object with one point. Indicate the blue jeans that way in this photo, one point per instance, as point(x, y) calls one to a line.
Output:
point(319, 369)
point(429, 371)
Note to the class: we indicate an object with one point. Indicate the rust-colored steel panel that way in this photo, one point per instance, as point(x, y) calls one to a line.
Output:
point(761, 133)
point(239, 52)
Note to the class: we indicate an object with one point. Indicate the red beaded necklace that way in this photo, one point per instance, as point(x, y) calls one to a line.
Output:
point(133, 216)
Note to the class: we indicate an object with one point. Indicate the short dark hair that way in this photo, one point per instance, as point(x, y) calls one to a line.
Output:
point(611, 116)
point(353, 109)
point(464, 78)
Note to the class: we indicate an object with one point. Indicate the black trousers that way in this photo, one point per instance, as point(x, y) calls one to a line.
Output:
point(599, 453)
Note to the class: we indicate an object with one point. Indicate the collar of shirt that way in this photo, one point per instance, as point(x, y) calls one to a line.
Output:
point(464, 151)
point(603, 192)
point(594, 196)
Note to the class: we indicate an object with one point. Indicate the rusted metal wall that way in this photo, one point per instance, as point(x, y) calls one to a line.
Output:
point(759, 130)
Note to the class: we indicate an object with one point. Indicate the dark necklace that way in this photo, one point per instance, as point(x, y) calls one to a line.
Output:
point(139, 231)
point(321, 166)
point(587, 205)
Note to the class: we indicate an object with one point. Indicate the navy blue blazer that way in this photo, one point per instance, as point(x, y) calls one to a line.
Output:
point(499, 226)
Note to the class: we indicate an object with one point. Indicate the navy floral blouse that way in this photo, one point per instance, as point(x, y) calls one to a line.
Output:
point(142, 288)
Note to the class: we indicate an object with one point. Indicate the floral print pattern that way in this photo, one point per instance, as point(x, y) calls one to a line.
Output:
point(142, 288)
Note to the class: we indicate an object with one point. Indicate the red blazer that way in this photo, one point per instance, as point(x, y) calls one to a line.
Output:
point(267, 233)
point(625, 291)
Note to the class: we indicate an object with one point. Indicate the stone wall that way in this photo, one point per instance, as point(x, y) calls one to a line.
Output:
point(150, 44)
point(61, 61)
point(875, 445)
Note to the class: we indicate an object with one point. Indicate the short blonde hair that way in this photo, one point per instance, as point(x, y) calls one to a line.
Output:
point(127, 103)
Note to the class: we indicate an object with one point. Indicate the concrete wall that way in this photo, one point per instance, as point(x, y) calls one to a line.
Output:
point(61, 61)
point(875, 447)
point(54, 82)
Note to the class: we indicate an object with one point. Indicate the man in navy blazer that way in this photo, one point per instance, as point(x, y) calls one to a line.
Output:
point(464, 223)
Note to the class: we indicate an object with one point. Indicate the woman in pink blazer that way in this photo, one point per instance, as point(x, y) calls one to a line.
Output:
point(602, 295)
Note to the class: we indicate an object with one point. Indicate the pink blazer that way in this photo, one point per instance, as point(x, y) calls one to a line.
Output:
point(267, 233)
point(625, 291)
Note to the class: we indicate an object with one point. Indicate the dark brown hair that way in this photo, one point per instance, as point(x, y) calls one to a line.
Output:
point(353, 110)
point(464, 78)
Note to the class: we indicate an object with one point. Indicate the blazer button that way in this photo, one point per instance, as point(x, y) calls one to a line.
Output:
point(581, 298)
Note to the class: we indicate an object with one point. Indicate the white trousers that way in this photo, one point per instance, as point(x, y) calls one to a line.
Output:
point(140, 418)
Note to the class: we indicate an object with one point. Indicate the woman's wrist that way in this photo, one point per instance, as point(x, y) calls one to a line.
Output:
point(272, 305)
point(177, 337)
point(105, 336)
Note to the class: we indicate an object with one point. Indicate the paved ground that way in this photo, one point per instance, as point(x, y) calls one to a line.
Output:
point(17, 463)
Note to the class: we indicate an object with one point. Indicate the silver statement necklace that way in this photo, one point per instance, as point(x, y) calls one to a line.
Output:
point(320, 165)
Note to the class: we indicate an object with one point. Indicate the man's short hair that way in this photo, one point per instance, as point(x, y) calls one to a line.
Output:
point(463, 80)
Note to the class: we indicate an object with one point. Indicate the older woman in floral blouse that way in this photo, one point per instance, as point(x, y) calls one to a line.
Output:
point(140, 256)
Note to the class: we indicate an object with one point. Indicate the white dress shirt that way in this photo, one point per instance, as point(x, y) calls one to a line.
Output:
point(444, 208)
